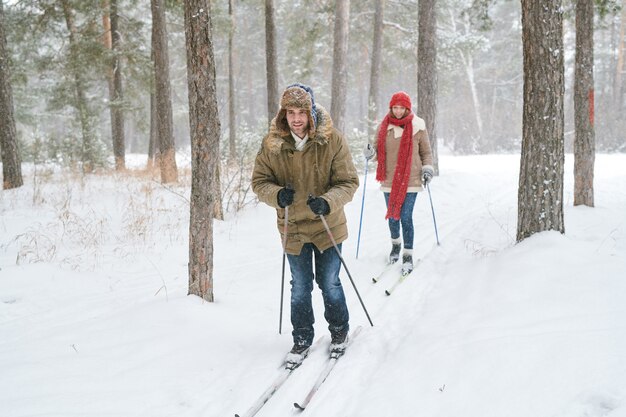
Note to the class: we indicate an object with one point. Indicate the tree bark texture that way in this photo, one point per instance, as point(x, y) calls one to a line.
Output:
point(11, 162)
point(427, 72)
point(340, 67)
point(205, 140)
point(584, 141)
point(540, 193)
point(88, 145)
point(377, 45)
point(165, 124)
point(232, 129)
point(271, 61)
point(117, 97)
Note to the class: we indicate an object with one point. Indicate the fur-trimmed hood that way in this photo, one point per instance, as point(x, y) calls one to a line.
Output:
point(279, 131)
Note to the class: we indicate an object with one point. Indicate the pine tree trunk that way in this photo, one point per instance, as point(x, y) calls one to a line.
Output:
point(271, 61)
point(232, 135)
point(618, 90)
point(11, 163)
point(80, 103)
point(540, 193)
point(153, 141)
point(427, 72)
point(205, 135)
point(584, 142)
point(340, 68)
point(165, 124)
point(117, 114)
point(377, 46)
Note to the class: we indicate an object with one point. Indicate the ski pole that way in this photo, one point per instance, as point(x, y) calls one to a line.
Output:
point(433, 211)
point(282, 281)
point(358, 239)
point(332, 239)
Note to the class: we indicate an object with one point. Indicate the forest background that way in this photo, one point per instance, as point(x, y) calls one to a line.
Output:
point(479, 66)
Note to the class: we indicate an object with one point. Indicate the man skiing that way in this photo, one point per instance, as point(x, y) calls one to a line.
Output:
point(304, 167)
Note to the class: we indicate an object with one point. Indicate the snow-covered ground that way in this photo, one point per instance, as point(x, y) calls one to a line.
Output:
point(95, 319)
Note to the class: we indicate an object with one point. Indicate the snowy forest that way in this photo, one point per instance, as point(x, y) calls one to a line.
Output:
point(140, 274)
point(479, 70)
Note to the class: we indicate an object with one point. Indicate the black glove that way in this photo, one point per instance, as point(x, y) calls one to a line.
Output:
point(285, 196)
point(318, 205)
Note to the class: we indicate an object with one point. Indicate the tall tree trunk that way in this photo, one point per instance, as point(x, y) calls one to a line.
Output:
point(80, 103)
point(584, 142)
point(165, 124)
point(11, 163)
point(340, 66)
point(117, 97)
point(540, 193)
point(232, 136)
point(205, 140)
point(377, 46)
point(271, 61)
point(153, 141)
point(618, 91)
point(427, 72)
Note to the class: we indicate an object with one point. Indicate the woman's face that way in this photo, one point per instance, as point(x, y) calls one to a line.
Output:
point(398, 111)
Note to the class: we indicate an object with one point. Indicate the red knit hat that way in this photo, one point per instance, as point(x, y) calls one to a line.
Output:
point(400, 99)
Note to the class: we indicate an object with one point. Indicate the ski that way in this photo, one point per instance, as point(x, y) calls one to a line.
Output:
point(324, 374)
point(401, 279)
point(265, 397)
point(382, 273)
point(282, 377)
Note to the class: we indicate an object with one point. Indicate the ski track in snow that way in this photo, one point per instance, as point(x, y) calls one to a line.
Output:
point(482, 327)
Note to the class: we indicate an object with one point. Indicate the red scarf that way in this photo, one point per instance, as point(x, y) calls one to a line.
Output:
point(402, 172)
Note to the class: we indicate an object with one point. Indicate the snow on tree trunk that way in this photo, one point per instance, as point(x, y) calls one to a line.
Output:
point(540, 193)
point(205, 140)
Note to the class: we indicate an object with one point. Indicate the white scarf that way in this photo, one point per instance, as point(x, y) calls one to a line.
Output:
point(300, 142)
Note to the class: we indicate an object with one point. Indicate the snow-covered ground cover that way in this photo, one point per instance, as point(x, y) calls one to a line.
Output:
point(95, 319)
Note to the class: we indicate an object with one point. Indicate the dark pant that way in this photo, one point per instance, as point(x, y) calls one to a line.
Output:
point(327, 266)
point(406, 219)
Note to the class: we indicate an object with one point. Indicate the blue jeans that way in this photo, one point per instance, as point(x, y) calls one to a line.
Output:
point(327, 266)
point(406, 219)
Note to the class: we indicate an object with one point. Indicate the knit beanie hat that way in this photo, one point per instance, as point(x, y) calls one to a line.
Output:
point(400, 99)
point(297, 96)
